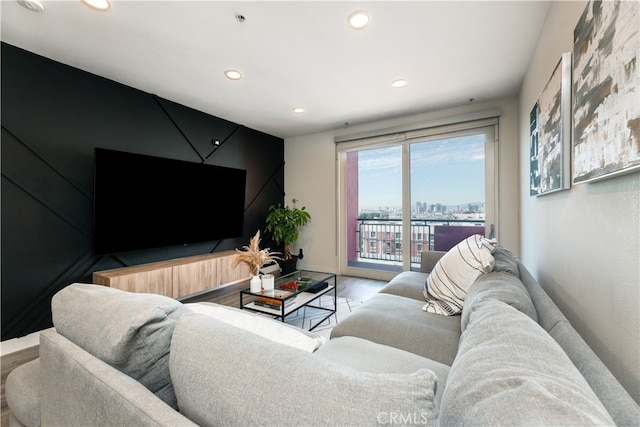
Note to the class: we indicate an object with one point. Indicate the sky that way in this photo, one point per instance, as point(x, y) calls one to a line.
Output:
point(447, 171)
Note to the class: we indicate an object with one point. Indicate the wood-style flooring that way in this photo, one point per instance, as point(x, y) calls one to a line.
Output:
point(348, 287)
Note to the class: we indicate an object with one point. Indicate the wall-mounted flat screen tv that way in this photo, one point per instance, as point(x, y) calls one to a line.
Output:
point(143, 202)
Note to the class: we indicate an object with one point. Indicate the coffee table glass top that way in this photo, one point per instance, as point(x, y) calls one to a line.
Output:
point(292, 292)
point(294, 283)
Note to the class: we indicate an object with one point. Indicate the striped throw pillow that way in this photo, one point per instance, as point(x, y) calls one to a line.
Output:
point(453, 275)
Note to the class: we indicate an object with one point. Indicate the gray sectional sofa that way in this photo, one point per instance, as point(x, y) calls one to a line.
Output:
point(513, 357)
point(510, 357)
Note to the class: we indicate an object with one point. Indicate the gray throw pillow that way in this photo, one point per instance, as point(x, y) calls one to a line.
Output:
point(510, 371)
point(501, 286)
point(129, 331)
point(224, 375)
point(504, 261)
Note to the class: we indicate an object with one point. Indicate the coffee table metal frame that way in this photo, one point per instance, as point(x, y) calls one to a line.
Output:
point(302, 298)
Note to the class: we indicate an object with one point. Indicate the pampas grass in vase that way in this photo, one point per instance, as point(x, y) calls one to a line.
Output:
point(253, 256)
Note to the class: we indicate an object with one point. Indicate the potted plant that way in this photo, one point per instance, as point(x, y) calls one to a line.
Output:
point(283, 223)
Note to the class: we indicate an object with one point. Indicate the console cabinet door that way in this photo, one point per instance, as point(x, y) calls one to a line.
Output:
point(155, 281)
point(176, 278)
point(195, 277)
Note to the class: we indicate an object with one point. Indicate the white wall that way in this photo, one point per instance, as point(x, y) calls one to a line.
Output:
point(310, 176)
point(583, 244)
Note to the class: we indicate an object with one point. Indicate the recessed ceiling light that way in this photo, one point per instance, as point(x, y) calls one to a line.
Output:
point(32, 5)
point(233, 74)
point(298, 110)
point(97, 4)
point(399, 83)
point(358, 20)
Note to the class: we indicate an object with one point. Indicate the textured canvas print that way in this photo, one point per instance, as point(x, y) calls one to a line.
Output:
point(606, 73)
point(549, 132)
point(534, 169)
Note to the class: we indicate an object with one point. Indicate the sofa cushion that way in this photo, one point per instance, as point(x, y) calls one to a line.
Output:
point(501, 286)
point(399, 322)
point(429, 259)
point(243, 379)
point(264, 326)
point(129, 331)
point(408, 284)
point(448, 283)
point(364, 355)
point(548, 312)
point(509, 369)
point(503, 260)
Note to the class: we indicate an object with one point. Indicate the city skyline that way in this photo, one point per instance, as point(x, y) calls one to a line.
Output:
point(430, 207)
point(447, 171)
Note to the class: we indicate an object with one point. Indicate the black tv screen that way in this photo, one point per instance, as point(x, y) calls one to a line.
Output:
point(143, 202)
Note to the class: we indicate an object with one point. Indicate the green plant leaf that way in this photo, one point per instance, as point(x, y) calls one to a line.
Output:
point(283, 223)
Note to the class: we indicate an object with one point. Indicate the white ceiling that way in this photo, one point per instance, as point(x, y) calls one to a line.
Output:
point(292, 53)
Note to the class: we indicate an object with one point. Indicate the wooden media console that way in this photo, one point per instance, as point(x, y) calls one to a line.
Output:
point(176, 278)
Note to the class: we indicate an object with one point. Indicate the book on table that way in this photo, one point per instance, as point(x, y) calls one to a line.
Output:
point(277, 305)
point(275, 298)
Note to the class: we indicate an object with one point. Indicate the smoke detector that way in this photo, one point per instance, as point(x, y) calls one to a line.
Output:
point(32, 5)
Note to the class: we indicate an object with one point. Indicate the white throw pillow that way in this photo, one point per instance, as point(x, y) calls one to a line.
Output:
point(455, 272)
point(268, 328)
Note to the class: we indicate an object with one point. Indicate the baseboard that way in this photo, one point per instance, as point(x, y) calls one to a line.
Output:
point(17, 344)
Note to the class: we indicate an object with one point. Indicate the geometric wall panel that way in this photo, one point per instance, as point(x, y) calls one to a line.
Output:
point(53, 116)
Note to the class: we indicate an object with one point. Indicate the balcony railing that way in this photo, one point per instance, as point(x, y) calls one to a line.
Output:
point(380, 240)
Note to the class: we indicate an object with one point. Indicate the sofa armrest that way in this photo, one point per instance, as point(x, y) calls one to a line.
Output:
point(22, 391)
point(429, 259)
point(80, 389)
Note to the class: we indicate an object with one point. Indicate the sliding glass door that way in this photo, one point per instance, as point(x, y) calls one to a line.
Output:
point(411, 192)
point(374, 208)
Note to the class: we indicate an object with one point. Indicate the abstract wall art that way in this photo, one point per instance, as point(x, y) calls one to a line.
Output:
point(606, 89)
point(550, 130)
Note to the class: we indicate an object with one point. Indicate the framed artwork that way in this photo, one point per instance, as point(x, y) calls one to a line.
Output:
point(606, 109)
point(550, 130)
point(534, 169)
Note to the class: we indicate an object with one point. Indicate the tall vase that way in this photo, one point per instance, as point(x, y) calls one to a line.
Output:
point(255, 285)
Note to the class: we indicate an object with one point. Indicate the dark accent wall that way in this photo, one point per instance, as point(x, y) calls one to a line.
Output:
point(53, 116)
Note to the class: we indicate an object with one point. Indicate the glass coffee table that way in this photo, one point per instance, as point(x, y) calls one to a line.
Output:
point(291, 292)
